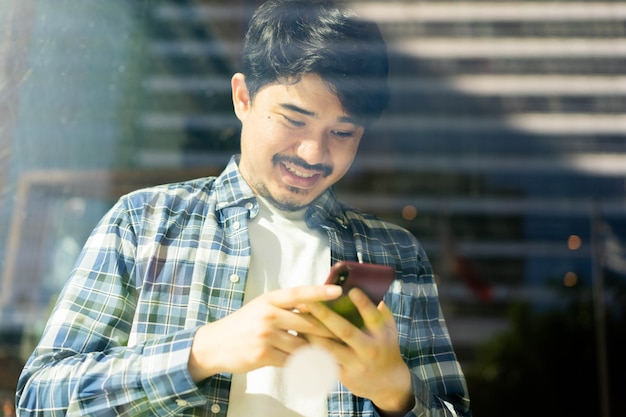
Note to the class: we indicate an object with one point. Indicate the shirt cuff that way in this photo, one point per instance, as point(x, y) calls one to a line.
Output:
point(165, 376)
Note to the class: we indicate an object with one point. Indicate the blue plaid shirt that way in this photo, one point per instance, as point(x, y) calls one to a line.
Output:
point(168, 259)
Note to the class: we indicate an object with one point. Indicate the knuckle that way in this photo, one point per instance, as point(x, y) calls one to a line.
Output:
point(347, 332)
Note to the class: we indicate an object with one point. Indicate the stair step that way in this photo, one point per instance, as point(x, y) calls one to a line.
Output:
point(507, 65)
point(479, 85)
point(524, 29)
point(537, 123)
point(449, 48)
point(395, 12)
point(458, 48)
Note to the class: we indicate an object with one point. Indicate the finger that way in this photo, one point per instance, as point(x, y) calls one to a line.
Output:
point(340, 351)
point(288, 342)
point(278, 352)
point(339, 326)
point(290, 298)
point(372, 317)
point(302, 323)
point(388, 317)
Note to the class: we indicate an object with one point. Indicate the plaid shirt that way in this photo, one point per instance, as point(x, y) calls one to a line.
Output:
point(168, 259)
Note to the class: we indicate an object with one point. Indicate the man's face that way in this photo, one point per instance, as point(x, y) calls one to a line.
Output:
point(296, 139)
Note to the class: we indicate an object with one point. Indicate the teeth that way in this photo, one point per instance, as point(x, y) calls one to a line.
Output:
point(299, 173)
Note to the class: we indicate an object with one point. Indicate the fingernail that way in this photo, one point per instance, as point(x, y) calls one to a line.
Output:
point(334, 290)
point(356, 295)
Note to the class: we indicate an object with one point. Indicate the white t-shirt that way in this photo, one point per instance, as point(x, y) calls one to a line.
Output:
point(285, 253)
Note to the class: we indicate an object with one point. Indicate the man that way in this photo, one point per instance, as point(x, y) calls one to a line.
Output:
point(189, 298)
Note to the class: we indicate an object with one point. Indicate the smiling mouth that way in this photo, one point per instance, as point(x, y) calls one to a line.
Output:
point(301, 169)
point(298, 172)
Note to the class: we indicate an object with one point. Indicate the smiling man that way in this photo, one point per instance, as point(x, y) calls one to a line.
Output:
point(188, 299)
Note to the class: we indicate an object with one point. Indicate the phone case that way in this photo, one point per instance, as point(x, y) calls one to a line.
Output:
point(374, 280)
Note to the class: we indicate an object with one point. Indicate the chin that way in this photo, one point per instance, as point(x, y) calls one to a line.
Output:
point(290, 202)
point(287, 205)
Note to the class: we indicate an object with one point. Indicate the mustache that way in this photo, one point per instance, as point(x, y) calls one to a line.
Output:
point(325, 170)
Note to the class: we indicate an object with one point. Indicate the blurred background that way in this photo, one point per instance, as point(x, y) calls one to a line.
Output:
point(503, 151)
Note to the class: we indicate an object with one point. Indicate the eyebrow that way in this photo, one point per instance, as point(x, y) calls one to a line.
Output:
point(298, 109)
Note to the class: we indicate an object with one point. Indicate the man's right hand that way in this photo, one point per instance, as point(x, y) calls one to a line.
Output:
point(264, 332)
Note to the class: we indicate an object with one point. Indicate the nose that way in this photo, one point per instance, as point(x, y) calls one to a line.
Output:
point(313, 149)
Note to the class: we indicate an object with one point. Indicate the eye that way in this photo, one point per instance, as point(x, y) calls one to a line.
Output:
point(293, 122)
point(343, 134)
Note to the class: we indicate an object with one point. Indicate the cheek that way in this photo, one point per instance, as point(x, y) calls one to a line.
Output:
point(259, 137)
point(348, 150)
point(344, 158)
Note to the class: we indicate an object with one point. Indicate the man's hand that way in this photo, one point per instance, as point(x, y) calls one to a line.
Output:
point(370, 362)
point(262, 333)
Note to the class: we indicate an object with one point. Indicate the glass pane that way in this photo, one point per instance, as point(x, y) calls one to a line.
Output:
point(503, 150)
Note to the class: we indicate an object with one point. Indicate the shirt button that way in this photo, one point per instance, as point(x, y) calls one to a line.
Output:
point(249, 205)
point(182, 403)
point(236, 225)
point(215, 408)
point(234, 278)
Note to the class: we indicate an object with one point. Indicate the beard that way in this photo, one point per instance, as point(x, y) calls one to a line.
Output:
point(283, 204)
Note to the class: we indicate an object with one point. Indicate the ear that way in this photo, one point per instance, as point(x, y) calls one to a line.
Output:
point(241, 96)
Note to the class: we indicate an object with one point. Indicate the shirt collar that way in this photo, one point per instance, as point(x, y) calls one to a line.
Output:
point(230, 187)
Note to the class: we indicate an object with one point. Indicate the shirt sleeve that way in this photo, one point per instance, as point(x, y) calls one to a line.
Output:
point(83, 364)
point(438, 381)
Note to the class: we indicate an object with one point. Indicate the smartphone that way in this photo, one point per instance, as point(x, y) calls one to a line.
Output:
point(374, 280)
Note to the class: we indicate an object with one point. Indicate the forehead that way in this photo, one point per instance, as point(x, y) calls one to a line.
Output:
point(309, 95)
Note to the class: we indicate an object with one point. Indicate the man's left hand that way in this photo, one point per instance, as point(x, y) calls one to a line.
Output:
point(369, 359)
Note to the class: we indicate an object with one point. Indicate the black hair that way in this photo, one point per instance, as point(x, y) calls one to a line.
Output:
point(287, 39)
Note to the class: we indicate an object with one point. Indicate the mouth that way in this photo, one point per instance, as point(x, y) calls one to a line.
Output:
point(295, 170)
point(299, 174)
